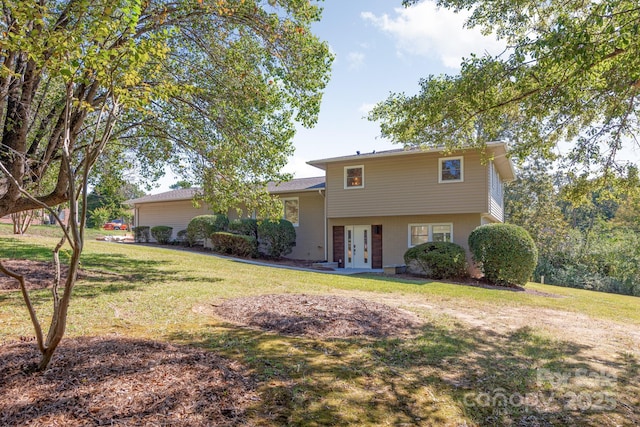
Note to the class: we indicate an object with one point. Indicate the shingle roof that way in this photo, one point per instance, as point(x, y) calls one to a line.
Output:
point(300, 184)
point(180, 194)
point(295, 185)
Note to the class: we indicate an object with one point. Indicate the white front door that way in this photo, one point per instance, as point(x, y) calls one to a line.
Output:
point(357, 240)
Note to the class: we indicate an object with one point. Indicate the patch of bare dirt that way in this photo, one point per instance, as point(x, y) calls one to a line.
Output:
point(318, 316)
point(115, 381)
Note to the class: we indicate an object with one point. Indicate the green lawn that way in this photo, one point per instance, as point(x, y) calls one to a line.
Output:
point(476, 344)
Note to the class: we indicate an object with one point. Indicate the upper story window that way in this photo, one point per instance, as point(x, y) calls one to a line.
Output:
point(450, 169)
point(354, 177)
point(292, 210)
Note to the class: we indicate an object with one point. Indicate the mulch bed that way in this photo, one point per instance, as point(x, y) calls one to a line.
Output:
point(116, 381)
point(318, 316)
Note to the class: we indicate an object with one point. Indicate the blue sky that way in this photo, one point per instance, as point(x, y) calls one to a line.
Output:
point(380, 47)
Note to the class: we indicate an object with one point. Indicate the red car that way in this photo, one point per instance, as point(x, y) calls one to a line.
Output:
point(115, 224)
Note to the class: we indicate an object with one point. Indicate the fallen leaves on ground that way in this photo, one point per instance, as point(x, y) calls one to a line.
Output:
point(318, 316)
point(118, 381)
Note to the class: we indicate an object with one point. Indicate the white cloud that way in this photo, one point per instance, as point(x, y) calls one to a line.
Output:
point(355, 60)
point(426, 30)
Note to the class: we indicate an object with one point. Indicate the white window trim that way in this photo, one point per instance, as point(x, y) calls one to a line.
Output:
point(430, 225)
point(345, 177)
point(441, 160)
point(284, 213)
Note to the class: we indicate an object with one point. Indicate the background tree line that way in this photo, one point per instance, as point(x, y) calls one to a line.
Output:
point(586, 239)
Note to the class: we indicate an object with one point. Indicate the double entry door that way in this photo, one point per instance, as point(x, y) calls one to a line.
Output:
point(357, 241)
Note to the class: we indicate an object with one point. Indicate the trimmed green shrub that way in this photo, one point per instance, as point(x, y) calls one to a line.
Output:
point(245, 226)
point(234, 244)
point(438, 260)
point(201, 227)
point(141, 234)
point(181, 237)
point(505, 253)
point(162, 233)
point(277, 238)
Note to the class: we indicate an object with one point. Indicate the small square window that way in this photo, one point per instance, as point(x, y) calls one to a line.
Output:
point(450, 169)
point(354, 177)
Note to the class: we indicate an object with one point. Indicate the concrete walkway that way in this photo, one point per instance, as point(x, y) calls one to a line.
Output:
point(340, 271)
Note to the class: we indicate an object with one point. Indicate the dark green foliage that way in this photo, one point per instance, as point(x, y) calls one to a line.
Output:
point(181, 237)
point(245, 226)
point(141, 234)
point(277, 238)
point(162, 233)
point(234, 244)
point(438, 260)
point(203, 226)
point(505, 253)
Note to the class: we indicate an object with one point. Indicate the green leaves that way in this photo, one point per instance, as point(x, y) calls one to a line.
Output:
point(571, 76)
point(212, 87)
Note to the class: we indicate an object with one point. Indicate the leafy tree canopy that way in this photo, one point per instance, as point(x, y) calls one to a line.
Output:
point(180, 184)
point(212, 87)
point(570, 73)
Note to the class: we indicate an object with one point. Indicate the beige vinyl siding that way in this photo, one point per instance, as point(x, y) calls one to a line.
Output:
point(310, 230)
point(395, 231)
point(176, 214)
point(407, 185)
point(496, 193)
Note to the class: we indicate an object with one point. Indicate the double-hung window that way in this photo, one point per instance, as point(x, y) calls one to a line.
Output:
point(450, 169)
point(354, 177)
point(291, 208)
point(423, 233)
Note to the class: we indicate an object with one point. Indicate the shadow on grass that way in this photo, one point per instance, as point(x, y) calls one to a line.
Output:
point(11, 248)
point(100, 273)
point(443, 375)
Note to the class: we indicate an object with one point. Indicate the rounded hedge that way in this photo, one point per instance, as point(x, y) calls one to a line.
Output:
point(244, 226)
point(234, 244)
point(162, 233)
point(438, 260)
point(201, 227)
point(505, 253)
point(276, 238)
point(141, 233)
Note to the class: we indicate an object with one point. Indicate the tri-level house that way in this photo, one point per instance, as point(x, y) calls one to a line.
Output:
point(368, 209)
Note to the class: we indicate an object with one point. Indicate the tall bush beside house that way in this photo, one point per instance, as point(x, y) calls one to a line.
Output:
point(505, 253)
point(437, 260)
point(244, 226)
point(162, 233)
point(277, 238)
point(203, 226)
point(141, 234)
